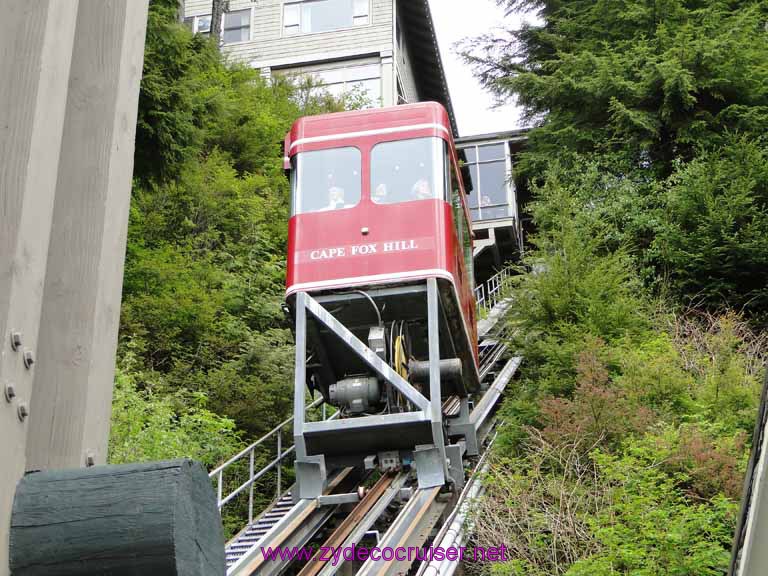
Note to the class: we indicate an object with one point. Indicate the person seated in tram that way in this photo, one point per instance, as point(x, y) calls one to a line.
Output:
point(335, 199)
point(380, 194)
point(422, 190)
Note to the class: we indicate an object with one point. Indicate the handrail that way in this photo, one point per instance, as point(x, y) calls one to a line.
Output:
point(254, 475)
point(488, 295)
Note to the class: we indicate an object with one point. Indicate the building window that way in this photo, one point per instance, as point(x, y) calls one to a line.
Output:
point(489, 169)
point(199, 24)
point(310, 16)
point(235, 26)
point(365, 79)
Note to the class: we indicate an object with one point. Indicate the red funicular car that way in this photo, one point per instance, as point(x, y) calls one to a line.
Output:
point(378, 217)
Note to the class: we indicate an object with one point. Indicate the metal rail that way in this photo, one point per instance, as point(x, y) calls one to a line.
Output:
point(294, 528)
point(316, 564)
point(454, 530)
point(250, 453)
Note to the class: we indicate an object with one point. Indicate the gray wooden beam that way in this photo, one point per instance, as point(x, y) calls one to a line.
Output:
point(70, 73)
point(155, 518)
point(36, 38)
point(70, 411)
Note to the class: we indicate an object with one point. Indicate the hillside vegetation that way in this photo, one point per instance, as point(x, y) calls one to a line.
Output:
point(641, 305)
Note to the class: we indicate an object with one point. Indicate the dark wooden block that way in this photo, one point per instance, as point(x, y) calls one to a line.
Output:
point(150, 519)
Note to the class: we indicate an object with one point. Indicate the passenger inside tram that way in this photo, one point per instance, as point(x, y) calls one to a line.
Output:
point(335, 199)
point(407, 170)
point(422, 190)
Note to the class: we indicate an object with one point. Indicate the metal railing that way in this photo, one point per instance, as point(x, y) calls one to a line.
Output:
point(488, 295)
point(250, 453)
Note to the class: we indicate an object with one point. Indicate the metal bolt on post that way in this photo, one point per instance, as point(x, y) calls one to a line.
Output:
point(10, 392)
point(29, 359)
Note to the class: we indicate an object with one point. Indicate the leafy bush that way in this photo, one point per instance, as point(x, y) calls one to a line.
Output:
point(649, 527)
point(713, 243)
point(151, 426)
point(574, 280)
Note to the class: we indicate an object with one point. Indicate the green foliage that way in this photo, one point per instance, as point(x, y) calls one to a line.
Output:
point(624, 446)
point(151, 426)
point(574, 280)
point(650, 528)
point(713, 244)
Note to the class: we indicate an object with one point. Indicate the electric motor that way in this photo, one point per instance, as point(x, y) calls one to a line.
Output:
point(357, 394)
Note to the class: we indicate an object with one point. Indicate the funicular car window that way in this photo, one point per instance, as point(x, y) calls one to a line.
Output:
point(324, 180)
point(408, 170)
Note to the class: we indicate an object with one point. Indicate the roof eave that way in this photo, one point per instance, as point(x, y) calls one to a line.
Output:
point(430, 49)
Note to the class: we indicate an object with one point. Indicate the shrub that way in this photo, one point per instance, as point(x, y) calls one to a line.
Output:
point(713, 245)
point(149, 426)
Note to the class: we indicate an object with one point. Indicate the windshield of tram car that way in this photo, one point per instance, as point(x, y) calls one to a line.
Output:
point(325, 180)
point(407, 170)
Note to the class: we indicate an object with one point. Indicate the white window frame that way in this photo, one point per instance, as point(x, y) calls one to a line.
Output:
point(196, 22)
point(298, 3)
point(196, 25)
point(509, 184)
point(351, 76)
point(249, 9)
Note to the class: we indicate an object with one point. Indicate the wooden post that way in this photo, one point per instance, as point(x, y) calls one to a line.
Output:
point(35, 53)
point(70, 411)
point(155, 518)
point(45, 92)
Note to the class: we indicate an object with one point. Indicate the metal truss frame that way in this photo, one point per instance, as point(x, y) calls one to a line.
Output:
point(431, 462)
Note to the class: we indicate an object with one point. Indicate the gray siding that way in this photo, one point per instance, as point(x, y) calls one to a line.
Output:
point(268, 47)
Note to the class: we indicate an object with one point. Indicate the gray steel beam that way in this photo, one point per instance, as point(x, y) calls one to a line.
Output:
point(435, 390)
point(310, 470)
point(361, 423)
point(300, 374)
point(485, 406)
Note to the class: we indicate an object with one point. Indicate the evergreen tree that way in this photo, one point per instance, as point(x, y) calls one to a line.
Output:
point(652, 80)
point(666, 103)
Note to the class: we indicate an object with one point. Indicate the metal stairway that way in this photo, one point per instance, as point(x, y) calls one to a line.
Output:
point(254, 532)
